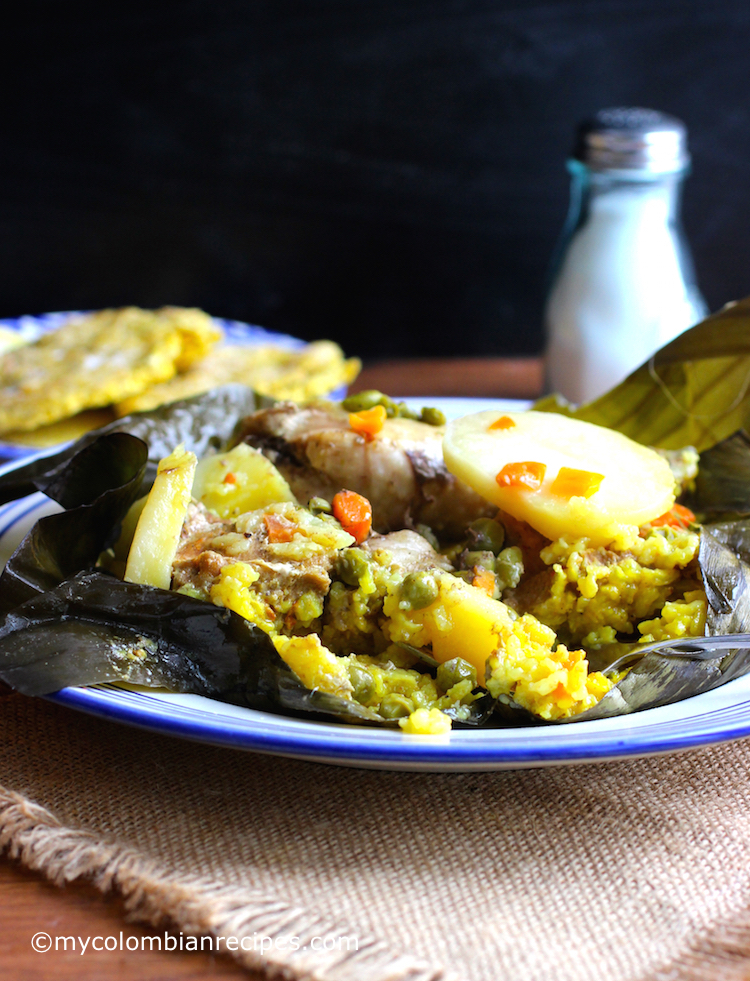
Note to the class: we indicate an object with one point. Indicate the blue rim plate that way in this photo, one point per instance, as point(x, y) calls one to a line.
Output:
point(713, 717)
point(235, 332)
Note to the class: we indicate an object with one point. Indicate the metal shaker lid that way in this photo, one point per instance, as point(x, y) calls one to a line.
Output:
point(631, 138)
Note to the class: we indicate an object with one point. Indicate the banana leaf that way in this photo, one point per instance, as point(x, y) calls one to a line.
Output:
point(695, 391)
point(723, 482)
point(94, 629)
point(102, 481)
point(669, 676)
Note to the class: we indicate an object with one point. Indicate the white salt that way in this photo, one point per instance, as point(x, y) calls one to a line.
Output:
point(620, 293)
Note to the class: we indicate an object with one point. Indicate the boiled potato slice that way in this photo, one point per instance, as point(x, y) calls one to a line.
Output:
point(238, 481)
point(628, 484)
point(157, 533)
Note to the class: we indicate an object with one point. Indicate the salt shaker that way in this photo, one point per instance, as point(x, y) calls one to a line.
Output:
point(623, 282)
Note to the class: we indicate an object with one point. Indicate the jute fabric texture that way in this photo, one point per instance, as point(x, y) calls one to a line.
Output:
point(620, 871)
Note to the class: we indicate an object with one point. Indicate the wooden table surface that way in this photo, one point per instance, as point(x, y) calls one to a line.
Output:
point(29, 904)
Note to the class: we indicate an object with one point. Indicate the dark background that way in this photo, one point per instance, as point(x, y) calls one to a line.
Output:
point(388, 173)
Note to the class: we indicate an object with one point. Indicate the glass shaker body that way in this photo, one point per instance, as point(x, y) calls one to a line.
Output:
point(623, 282)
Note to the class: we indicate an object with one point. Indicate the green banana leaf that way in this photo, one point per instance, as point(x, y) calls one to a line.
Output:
point(723, 482)
point(104, 478)
point(93, 629)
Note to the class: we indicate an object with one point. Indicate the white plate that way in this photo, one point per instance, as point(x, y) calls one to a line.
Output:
point(713, 717)
point(32, 327)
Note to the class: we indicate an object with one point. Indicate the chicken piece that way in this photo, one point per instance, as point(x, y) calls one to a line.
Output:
point(284, 571)
point(401, 471)
point(408, 551)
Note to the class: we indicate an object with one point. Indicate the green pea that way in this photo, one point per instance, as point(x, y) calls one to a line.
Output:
point(351, 566)
point(363, 400)
point(363, 684)
point(433, 416)
point(419, 590)
point(396, 707)
point(319, 505)
point(509, 567)
point(486, 534)
point(457, 669)
point(484, 560)
point(404, 412)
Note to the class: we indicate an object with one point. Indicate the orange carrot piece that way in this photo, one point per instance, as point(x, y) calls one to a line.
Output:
point(504, 422)
point(368, 422)
point(354, 513)
point(279, 528)
point(484, 580)
point(678, 516)
point(229, 478)
point(527, 475)
point(576, 483)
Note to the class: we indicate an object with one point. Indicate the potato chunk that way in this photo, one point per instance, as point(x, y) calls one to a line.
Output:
point(158, 530)
point(517, 656)
point(238, 481)
point(607, 480)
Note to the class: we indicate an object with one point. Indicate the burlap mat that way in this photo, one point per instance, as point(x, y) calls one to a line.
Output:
point(616, 871)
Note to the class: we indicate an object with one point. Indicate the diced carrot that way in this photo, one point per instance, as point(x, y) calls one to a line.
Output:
point(279, 528)
point(229, 478)
point(576, 483)
point(504, 422)
point(354, 513)
point(527, 475)
point(677, 517)
point(368, 422)
point(484, 580)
